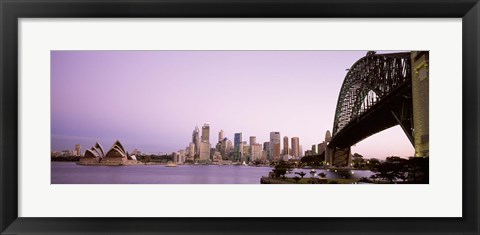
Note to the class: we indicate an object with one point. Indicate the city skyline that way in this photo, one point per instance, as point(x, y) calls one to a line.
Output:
point(152, 100)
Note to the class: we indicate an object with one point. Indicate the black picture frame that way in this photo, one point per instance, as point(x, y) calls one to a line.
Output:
point(12, 10)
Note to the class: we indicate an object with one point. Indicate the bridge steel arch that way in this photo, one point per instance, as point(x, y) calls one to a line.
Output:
point(376, 94)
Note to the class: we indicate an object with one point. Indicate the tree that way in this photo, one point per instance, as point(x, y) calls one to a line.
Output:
point(364, 179)
point(312, 160)
point(373, 177)
point(322, 175)
point(301, 174)
point(296, 178)
point(393, 168)
point(418, 170)
point(281, 169)
point(403, 176)
point(358, 161)
point(372, 163)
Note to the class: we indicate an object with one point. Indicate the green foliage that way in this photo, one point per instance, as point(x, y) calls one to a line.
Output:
point(296, 178)
point(281, 169)
point(364, 179)
point(312, 160)
point(301, 174)
point(155, 158)
point(392, 169)
point(358, 161)
point(65, 159)
point(372, 163)
point(412, 170)
point(418, 170)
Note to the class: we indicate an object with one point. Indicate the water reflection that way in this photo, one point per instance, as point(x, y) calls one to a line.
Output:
point(70, 173)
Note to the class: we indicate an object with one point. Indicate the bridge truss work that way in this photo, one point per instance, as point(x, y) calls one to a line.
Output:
point(376, 94)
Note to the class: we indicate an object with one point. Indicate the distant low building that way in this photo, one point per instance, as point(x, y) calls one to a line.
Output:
point(136, 152)
point(77, 150)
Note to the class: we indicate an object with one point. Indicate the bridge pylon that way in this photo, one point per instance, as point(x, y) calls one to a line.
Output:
point(338, 157)
point(420, 84)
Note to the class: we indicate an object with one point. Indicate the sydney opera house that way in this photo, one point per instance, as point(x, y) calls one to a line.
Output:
point(116, 156)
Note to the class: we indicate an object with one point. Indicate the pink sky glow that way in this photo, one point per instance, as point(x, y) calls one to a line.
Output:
point(152, 100)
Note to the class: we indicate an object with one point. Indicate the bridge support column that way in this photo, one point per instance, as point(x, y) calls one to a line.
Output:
point(328, 156)
point(341, 157)
point(420, 75)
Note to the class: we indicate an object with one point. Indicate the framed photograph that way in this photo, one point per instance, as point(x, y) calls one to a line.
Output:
point(231, 117)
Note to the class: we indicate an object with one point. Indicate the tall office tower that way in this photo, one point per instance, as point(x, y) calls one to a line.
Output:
point(239, 155)
point(220, 136)
point(266, 149)
point(191, 151)
point(226, 148)
point(246, 152)
point(285, 145)
point(204, 150)
point(205, 142)
point(237, 139)
point(300, 151)
point(276, 152)
point(256, 152)
point(196, 141)
point(295, 147)
point(77, 150)
point(274, 139)
point(238, 146)
point(314, 149)
point(253, 140)
point(206, 132)
point(218, 146)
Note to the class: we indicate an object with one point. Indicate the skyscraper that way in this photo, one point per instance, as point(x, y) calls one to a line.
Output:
point(196, 141)
point(295, 147)
point(237, 139)
point(266, 149)
point(314, 149)
point(191, 151)
point(256, 150)
point(205, 143)
point(226, 148)
point(285, 145)
point(276, 152)
point(246, 151)
point(206, 132)
point(238, 146)
point(204, 151)
point(220, 136)
point(253, 140)
point(274, 140)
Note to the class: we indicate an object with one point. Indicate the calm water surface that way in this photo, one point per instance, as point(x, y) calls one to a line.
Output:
point(70, 173)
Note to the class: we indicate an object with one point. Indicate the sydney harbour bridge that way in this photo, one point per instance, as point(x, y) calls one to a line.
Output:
point(381, 91)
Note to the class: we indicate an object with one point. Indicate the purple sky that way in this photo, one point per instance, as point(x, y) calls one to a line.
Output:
point(152, 100)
